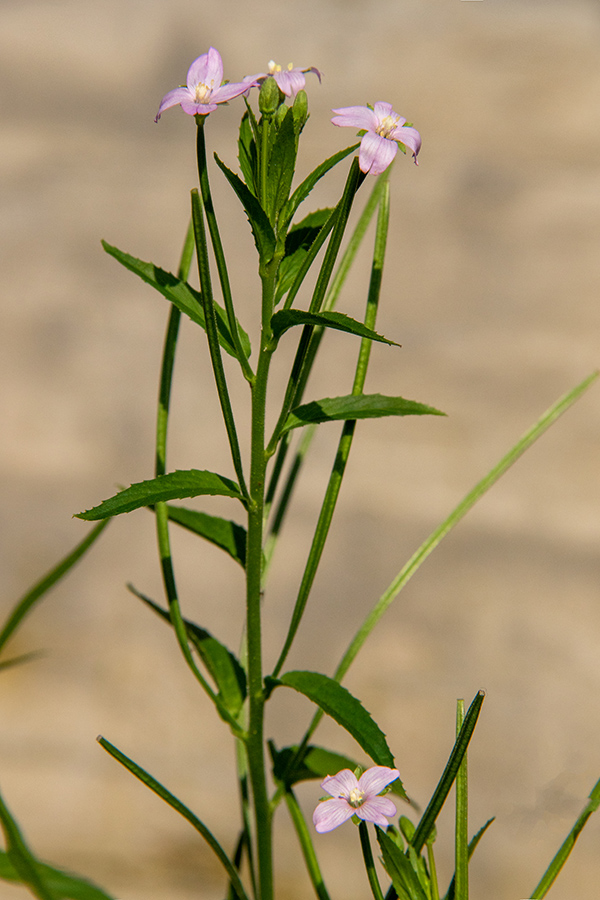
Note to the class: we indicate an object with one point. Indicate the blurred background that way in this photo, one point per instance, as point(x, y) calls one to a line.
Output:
point(491, 287)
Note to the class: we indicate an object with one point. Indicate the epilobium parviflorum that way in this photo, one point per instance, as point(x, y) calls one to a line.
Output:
point(260, 484)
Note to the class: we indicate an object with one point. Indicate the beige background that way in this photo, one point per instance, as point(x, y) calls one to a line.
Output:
point(492, 289)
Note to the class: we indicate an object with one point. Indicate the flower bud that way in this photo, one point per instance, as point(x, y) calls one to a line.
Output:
point(300, 108)
point(268, 98)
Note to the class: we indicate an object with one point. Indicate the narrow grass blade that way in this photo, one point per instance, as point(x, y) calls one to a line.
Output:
point(21, 857)
point(28, 601)
point(551, 873)
point(458, 513)
point(183, 810)
point(449, 774)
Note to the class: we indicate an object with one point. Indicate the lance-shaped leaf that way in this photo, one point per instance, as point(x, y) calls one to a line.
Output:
point(345, 709)
point(398, 866)
point(282, 162)
point(306, 186)
point(172, 486)
point(247, 154)
point(317, 762)
point(223, 666)
point(224, 533)
point(64, 886)
point(264, 237)
point(287, 318)
point(182, 295)
point(355, 406)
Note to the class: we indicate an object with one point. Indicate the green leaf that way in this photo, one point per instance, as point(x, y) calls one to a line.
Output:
point(282, 162)
point(247, 155)
point(224, 533)
point(28, 601)
point(304, 189)
point(264, 237)
point(172, 486)
point(345, 709)
point(404, 878)
point(438, 798)
point(355, 406)
point(317, 763)
point(298, 242)
point(176, 804)
point(223, 666)
point(287, 318)
point(182, 295)
point(64, 886)
point(22, 859)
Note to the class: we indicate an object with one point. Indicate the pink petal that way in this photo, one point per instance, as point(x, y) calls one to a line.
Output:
point(376, 153)
point(375, 779)
point(197, 109)
point(178, 95)
point(376, 810)
point(315, 71)
point(207, 69)
point(228, 91)
point(290, 81)
point(356, 117)
point(340, 785)
point(408, 136)
point(331, 813)
point(382, 110)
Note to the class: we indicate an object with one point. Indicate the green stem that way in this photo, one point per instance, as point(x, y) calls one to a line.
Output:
point(308, 850)
point(160, 509)
point(215, 237)
point(461, 839)
point(435, 891)
point(347, 436)
point(365, 843)
point(213, 338)
point(353, 182)
point(254, 577)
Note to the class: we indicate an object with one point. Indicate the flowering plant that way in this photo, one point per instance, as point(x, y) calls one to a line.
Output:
point(238, 684)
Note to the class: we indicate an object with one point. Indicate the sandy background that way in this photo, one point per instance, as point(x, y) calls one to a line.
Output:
point(492, 289)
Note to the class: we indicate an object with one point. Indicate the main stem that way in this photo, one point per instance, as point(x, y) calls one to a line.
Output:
point(254, 565)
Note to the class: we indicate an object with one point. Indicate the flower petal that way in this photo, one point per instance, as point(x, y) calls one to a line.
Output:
point(178, 95)
point(315, 70)
point(408, 136)
point(376, 153)
point(376, 810)
point(207, 69)
point(340, 785)
point(375, 779)
point(382, 110)
point(290, 81)
point(356, 117)
point(331, 813)
point(197, 109)
point(229, 91)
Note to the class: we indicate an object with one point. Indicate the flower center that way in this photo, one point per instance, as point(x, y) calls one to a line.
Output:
point(387, 125)
point(273, 67)
point(203, 92)
point(355, 797)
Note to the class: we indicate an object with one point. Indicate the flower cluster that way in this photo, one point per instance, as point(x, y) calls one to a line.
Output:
point(352, 796)
point(382, 128)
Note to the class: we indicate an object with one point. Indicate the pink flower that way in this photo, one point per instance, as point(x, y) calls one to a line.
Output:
point(384, 130)
point(289, 81)
point(352, 796)
point(204, 90)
